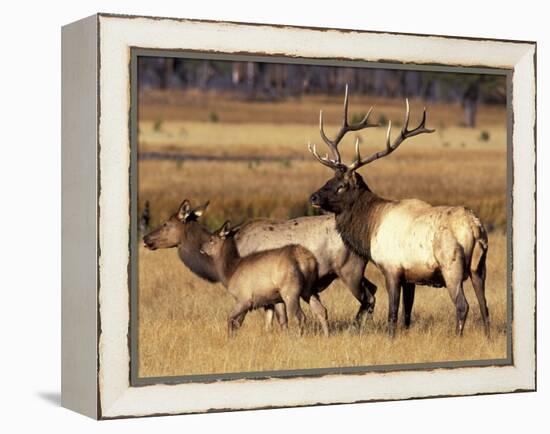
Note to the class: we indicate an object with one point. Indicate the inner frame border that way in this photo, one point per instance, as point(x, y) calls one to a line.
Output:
point(133, 326)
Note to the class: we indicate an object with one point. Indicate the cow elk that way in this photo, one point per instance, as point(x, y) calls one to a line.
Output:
point(183, 231)
point(410, 241)
point(264, 278)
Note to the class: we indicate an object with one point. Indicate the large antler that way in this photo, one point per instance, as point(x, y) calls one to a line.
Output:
point(390, 147)
point(336, 162)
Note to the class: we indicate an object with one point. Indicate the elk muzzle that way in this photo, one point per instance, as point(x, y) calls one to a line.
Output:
point(149, 243)
point(315, 200)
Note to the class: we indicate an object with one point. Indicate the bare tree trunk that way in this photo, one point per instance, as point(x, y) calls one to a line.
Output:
point(470, 111)
point(236, 73)
point(204, 74)
point(250, 76)
point(168, 71)
point(469, 102)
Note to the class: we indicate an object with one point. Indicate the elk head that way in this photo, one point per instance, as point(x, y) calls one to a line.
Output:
point(213, 247)
point(174, 231)
point(344, 188)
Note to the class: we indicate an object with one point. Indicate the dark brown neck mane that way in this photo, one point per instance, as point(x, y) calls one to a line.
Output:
point(357, 224)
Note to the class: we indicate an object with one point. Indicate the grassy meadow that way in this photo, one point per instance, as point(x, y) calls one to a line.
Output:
point(182, 319)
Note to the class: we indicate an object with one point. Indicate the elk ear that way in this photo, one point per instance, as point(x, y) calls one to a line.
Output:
point(184, 210)
point(198, 211)
point(225, 230)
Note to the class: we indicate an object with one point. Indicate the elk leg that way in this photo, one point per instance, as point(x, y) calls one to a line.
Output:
point(369, 286)
point(451, 261)
point(294, 310)
point(457, 294)
point(320, 312)
point(478, 282)
point(239, 320)
point(280, 312)
point(456, 291)
point(269, 310)
point(369, 300)
point(394, 293)
point(408, 301)
point(361, 288)
point(236, 318)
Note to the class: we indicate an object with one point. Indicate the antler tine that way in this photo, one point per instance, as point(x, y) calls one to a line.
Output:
point(346, 104)
point(345, 128)
point(390, 147)
point(388, 136)
point(365, 120)
point(357, 156)
point(323, 160)
point(407, 116)
point(421, 128)
point(332, 146)
point(359, 163)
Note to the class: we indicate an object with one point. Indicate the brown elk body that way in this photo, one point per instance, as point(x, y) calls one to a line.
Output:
point(317, 234)
point(410, 241)
point(263, 278)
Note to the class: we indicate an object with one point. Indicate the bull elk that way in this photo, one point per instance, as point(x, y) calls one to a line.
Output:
point(410, 241)
point(269, 277)
point(317, 234)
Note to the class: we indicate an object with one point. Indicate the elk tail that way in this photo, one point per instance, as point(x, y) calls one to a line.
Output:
point(479, 255)
point(481, 245)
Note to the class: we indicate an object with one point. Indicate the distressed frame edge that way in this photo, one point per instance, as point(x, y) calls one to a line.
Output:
point(79, 141)
point(315, 28)
point(529, 387)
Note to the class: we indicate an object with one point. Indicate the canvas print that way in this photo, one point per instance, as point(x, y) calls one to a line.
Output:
point(297, 218)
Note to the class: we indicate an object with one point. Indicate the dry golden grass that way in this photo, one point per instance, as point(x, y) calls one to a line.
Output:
point(182, 319)
point(475, 178)
point(291, 139)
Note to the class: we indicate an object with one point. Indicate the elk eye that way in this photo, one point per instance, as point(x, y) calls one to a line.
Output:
point(340, 188)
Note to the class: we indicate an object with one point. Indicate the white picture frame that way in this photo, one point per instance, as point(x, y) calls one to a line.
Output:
point(96, 105)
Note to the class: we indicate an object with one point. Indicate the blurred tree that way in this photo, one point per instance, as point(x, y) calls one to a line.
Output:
point(470, 98)
point(468, 89)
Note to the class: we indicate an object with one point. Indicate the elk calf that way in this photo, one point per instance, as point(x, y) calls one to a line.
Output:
point(263, 278)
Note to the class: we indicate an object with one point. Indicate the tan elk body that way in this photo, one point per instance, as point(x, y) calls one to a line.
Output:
point(273, 276)
point(317, 234)
point(415, 237)
point(410, 241)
